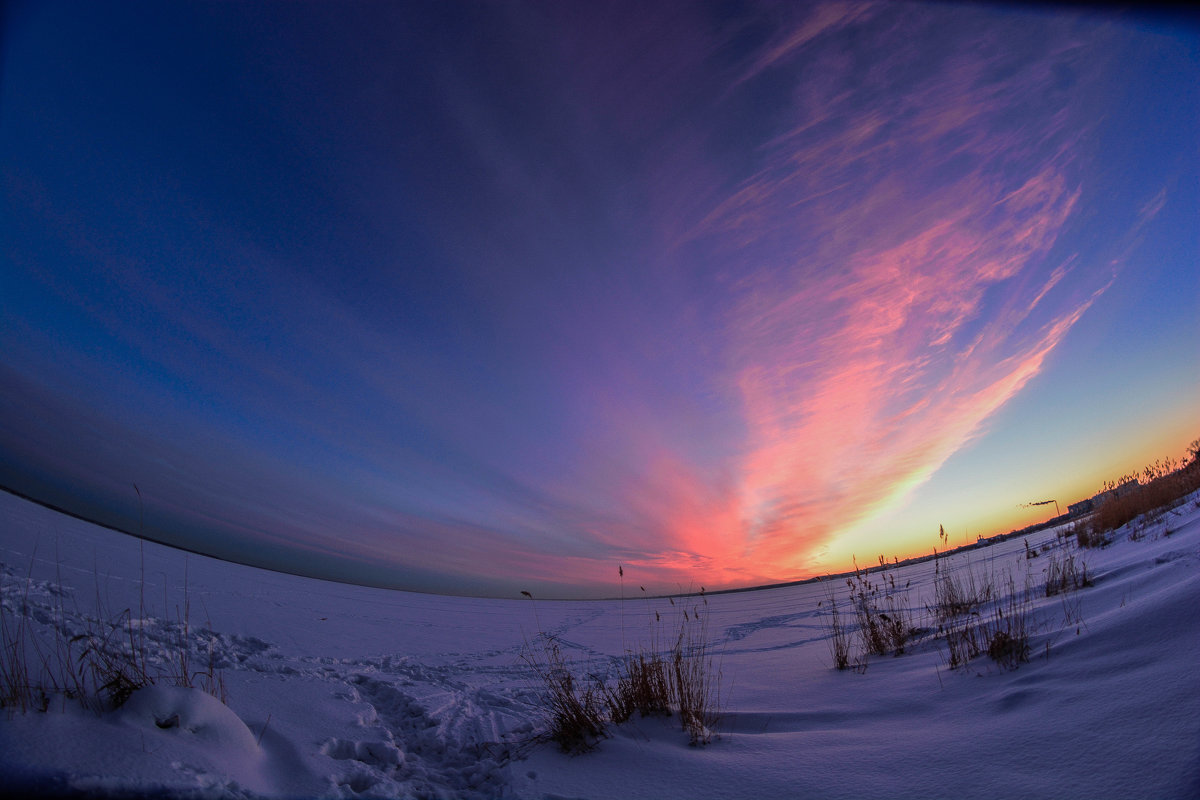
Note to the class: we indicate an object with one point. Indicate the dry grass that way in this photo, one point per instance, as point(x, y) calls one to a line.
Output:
point(839, 642)
point(881, 609)
point(1001, 629)
point(696, 685)
point(102, 666)
point(883, 620)
point(1158, 487)
point(681, 677)
point(1065, 575)
point(1088, 535)
point(1007, 632)
point(97, 660)
point(962, 642)
point(643, 683)
point(26, 675)
point(972, 614)
point(574, 707)
point(958, 596)
point(41, 661)
point(958, 591)
point(642, 686)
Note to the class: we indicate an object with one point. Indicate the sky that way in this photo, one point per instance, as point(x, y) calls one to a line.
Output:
point(476, 298)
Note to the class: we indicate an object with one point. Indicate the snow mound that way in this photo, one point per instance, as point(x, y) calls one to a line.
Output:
point(200, 738)
point(191, 715)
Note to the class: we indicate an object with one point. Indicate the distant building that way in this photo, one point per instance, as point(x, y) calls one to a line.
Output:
point(1099, 499)
point(1112, 494)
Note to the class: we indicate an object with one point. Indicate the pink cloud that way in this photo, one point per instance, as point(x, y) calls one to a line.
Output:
point(820, 19)
point(894, 289)
point(904, 366)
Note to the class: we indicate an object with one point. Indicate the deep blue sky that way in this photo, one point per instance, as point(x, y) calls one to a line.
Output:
point(480, 297)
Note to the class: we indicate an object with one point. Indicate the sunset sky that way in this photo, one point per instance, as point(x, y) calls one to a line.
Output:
point(482, 297)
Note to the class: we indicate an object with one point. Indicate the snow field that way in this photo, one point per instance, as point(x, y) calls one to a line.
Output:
point(344, 691)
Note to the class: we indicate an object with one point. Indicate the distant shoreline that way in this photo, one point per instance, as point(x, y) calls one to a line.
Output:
point(983, 542)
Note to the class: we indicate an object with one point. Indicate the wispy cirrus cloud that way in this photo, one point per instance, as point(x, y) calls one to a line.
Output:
point(898, 277)
point(688, 288)
point(817, 19)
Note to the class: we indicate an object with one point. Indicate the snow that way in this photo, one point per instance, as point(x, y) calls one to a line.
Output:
point(344, 691)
